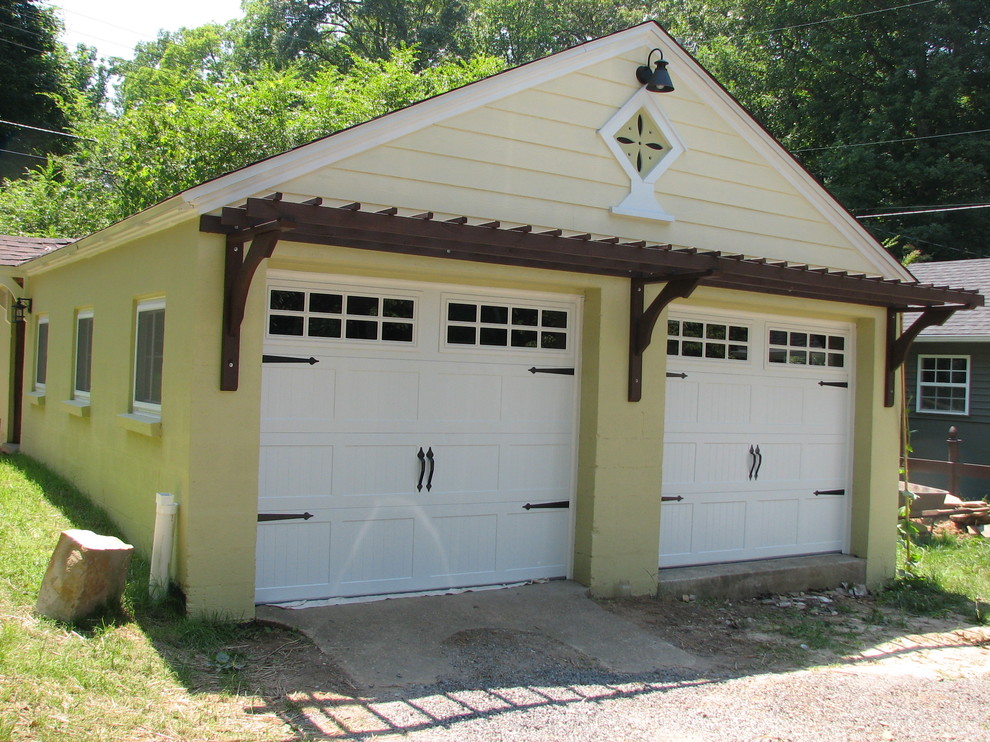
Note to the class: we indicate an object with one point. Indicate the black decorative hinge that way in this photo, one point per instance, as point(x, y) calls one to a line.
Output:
point(829, 492)
point(672, 375)
point(263, 517)
point(289, 359)
point(842, 384)
point(558, 504)
point(671, 499)
point(561, 371)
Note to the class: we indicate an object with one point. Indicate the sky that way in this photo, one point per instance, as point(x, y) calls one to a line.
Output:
point(115, 26)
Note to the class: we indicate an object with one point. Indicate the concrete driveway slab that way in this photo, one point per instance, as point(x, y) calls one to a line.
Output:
point(405, 641)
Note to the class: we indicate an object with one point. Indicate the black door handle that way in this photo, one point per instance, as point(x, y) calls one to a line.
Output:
point(433, 468)
point(759, 462)
point(752, 462)
point(422, 469)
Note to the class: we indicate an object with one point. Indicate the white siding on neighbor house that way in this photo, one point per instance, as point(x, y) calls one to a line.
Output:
point(536, 157)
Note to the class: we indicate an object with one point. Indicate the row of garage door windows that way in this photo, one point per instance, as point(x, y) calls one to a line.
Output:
point(388, 319)
point(339, 315)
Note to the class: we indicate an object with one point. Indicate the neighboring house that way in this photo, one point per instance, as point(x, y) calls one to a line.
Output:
point(416, 354)
point(948, 378)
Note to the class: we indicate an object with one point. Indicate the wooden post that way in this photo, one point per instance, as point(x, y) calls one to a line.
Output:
point(953, 459)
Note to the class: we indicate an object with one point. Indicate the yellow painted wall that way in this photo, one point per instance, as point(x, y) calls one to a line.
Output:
point(121, 463)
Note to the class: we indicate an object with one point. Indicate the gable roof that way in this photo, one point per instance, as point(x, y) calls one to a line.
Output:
point(269, 174)
point(15, 250)
point(974, 274)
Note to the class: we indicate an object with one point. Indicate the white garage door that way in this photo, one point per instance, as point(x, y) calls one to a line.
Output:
point(757, 438)
point(431, 444)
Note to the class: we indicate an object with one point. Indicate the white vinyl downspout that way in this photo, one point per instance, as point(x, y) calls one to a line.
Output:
point(161, 548)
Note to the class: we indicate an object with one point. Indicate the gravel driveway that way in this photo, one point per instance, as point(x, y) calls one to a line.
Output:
point(931, 682)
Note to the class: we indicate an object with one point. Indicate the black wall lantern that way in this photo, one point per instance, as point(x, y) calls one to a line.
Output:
point(20, 307)
point(658, 79)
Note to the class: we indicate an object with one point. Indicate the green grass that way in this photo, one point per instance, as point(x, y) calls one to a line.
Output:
point(130, 674)
point(951, 574)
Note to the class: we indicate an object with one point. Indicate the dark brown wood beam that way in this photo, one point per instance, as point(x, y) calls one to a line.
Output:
point(642, 321)
point(241, 263)
point(898, 347)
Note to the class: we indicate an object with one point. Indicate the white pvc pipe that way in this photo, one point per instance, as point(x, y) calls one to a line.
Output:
point(161, 548)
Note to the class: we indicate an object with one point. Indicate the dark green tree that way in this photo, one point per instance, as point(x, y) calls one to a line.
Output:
point(31, 68)
point(870, 102)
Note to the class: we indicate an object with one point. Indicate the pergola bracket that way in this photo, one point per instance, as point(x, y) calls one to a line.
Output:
point(643, 319)
point(241, 263)
point(898, 347)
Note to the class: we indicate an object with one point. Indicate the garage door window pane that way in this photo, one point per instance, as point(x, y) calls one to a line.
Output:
point(282, 325)
point(401, 332)
point(362, 330)
point(494, 336)
point(362, 305)
point(495, 315)
point(288, 301)
point(462, 312)
point(398, 308)
point(460, 335)
point(324, 327)
point(326, 303)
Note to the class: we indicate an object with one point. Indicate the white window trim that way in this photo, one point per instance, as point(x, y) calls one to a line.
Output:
point(41, 386)
point(138, 407)
point(921, 384)
point(79, 394)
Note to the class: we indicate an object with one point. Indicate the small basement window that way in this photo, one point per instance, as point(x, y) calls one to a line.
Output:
point(506, 326)
point(943, 384)
point(711, 340)
point(335, 315)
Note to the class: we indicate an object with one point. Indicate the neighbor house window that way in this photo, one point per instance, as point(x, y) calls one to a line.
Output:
point(41, 357)
point(84, 354)
point(149, 347)
point(943, 384)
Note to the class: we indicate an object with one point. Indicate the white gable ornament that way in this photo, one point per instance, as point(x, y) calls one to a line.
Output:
point(645, 143)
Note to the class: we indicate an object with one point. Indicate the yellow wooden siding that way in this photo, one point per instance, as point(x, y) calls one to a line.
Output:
point(535, 156)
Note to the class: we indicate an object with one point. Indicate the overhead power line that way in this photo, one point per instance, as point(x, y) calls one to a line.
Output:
point(46, 131)
point(831, 20)
point(892, 141)
point(925, 211)
point(23, 154)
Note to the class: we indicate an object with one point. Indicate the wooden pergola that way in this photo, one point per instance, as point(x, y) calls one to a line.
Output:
point(254, 229)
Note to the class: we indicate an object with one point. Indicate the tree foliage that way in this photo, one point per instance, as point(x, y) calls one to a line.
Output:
point(179, 133)
point(904, 78)
point(36, 73)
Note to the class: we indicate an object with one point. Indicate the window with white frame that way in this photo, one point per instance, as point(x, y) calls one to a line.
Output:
point(41, 355)
point(84, 355)
point(943, 384)
point(149, 345)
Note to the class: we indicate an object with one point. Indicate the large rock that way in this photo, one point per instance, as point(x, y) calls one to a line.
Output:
point(86, 573)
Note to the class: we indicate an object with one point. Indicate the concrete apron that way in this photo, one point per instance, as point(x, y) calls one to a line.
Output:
point(398, 642)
